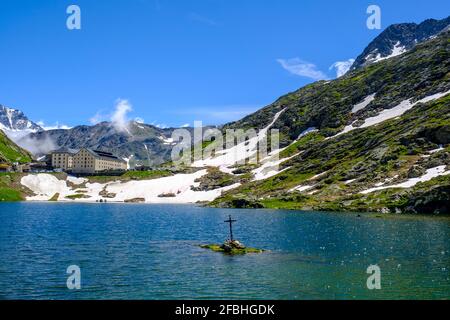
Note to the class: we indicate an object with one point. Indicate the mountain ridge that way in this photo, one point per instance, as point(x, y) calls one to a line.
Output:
point(15, 120)
point(399, 38)
point(142, 144)
point(327, 105)
point(376, 139)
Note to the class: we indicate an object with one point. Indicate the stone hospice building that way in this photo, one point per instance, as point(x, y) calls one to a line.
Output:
point(86, 161)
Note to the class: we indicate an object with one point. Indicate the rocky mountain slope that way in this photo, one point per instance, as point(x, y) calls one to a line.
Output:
point(376, 139)
point(141, 143)
point(329, 106)
point(399, 38)
point(15, 120)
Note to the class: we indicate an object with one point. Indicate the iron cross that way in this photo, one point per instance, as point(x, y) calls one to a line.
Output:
point(230, 221)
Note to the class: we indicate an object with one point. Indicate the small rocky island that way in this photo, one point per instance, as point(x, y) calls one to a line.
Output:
point(231, 246)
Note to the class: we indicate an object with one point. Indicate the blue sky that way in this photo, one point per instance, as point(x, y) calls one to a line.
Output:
point(177, 61)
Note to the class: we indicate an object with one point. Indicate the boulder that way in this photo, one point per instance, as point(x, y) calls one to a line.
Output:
point(167, 195)
point(236, 244)
point(226, 247)
point(106, 194)
point(135, 200)
point(416, 171)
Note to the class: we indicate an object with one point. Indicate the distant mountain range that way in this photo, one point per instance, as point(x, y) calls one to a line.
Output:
point(399, 38)
point(142, 144)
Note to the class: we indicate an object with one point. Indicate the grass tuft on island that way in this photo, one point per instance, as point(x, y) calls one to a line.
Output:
point(77, 196)
point(234, 251)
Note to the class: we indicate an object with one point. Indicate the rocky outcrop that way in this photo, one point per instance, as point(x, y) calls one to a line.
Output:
point(135, 200)
point(215, 179)
point(435, 201)
point(243, 203)
point(403, 36)
point(105, 194)
point(167, 195)
point(416, 171)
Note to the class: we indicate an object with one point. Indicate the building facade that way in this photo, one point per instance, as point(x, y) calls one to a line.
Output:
point(62, 159)
point(89, 161)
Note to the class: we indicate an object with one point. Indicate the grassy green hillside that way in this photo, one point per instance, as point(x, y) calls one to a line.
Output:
point(329, 172)
point(10, 152)
point(396, 150)
point(327, 105)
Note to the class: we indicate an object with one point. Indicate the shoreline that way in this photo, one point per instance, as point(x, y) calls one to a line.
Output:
point(359, 214)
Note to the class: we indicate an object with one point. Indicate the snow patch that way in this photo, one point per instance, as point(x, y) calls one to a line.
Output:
point(270, 169)
point(45, 186)
point(167, 141)
point(301, 188)
point(318, 176)
point(9, 114)
point(230, 157)
point(367, 100)
point(436, 150)
point(307, 131)
point(394, 112)
point(396, 51)
point(430, 174)
point(76, 181)
point(179, 185)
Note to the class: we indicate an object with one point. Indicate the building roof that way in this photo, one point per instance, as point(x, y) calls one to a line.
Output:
point(96, 153)
point(104, 155)
point(66, 150)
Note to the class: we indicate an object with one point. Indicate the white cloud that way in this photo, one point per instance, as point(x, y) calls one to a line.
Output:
point(119, 118)
point(302, 68)
point(186, 125)
point(53, 127)
point(34, 145)
point(342, 67)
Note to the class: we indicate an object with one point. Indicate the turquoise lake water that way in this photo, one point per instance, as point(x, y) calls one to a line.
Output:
point(151, 252)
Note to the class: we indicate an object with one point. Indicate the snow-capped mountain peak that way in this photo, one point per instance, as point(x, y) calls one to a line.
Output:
point(397, 50)
point(15, 120)
point(398, 39)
